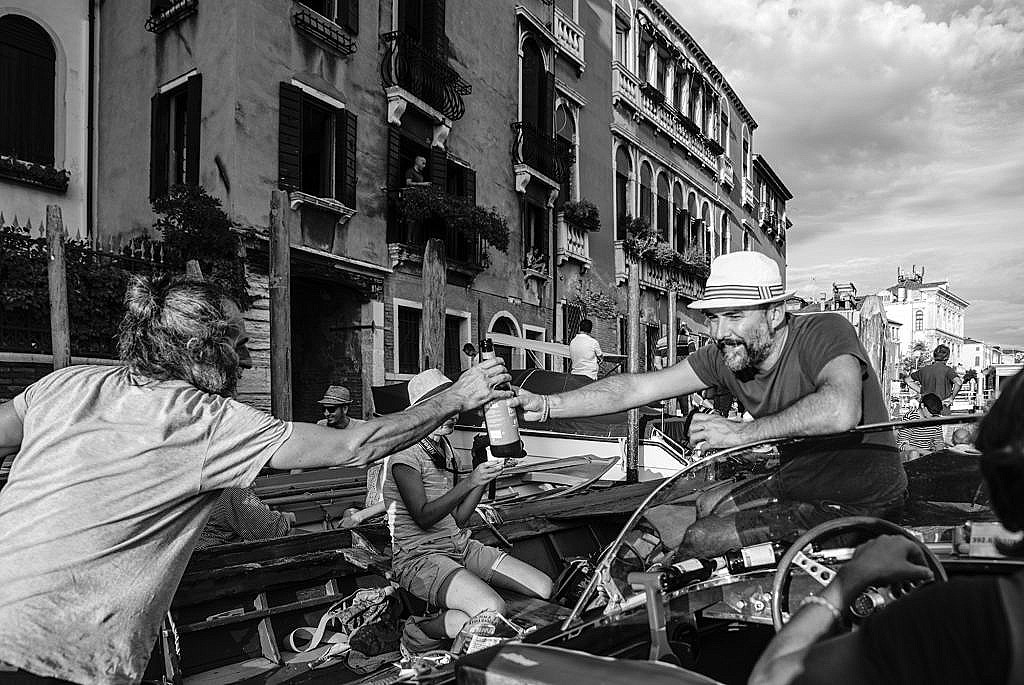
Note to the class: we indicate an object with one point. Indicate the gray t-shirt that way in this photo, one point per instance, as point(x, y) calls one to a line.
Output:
point(409, 540)
point(106, 499)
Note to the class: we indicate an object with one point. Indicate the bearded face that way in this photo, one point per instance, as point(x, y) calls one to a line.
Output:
point(743, 336)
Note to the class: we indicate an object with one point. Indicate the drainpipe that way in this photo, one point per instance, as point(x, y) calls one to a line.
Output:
point(92, 101)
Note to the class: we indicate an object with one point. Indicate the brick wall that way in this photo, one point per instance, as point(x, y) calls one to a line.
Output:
point(16, 376)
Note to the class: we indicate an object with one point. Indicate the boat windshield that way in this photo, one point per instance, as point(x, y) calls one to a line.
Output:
point(944, 490)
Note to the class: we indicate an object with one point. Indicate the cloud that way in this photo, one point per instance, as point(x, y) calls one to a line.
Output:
point(897, 127)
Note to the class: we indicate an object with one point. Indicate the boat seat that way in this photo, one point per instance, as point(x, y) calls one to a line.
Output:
point(516, 662)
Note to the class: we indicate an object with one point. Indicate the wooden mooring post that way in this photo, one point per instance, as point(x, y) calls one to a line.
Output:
point(633, 366)
point(280, 283)
point(434, 281)
point(60, 326)
point(670, 339)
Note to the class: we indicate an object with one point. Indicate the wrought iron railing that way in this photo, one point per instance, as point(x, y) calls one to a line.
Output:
point(460, 246)
point(550, 155)
point(324, 30)
point(423, 73)
point(170, 13)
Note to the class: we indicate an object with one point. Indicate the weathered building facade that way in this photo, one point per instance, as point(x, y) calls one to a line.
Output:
point(930, 312)
point(45, 117)
point(392, 123)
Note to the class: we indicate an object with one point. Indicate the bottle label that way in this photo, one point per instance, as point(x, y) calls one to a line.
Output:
point(690, 565)
point(502, 426)
point(758, 555)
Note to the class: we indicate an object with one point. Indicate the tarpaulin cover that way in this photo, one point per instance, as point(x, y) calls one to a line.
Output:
point(388, 399)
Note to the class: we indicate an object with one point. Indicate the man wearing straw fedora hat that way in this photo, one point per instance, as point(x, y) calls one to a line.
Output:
point(795, 376)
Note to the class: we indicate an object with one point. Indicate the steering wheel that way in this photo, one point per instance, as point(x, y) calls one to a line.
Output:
point(824, 574)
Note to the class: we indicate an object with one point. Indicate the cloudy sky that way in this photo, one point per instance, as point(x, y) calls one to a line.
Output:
point(898, 128)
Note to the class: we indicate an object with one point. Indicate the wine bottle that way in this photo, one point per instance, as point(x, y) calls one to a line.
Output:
point(687, 572)
point(502, 425)
point(751, 557)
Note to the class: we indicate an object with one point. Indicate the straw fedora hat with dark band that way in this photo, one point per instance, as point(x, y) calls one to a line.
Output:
point(426, 384)
point(742, 279)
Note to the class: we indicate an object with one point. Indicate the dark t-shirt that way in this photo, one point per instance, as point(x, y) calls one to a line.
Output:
point(936, 378)
point(955, 632)
point(861, 471)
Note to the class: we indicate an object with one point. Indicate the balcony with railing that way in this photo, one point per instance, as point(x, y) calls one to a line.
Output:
point(167, 14)
point(407, 237)
point(322, 29)
point(570, 37)
point(551, 156)
point(573, 243)
point(726, 172)
point(748, 193)
point(424, 74)
point(658, 277)
point(650, 103)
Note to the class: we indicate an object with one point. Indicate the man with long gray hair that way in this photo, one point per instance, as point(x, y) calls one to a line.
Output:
point(117, 468)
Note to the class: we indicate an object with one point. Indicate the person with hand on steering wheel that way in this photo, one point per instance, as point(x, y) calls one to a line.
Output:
point(963, 631)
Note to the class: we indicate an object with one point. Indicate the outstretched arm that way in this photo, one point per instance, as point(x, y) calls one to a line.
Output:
point(613, 393)
point(834, 406)
point(311, 446)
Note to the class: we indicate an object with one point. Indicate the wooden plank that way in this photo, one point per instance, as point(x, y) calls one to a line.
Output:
point(260, 613)
point(268, 641)
point(60, 327)
point(249, 578)
point(265, 550)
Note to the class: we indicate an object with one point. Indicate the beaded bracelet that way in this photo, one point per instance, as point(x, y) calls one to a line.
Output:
point(821, 601)
point(545, 411)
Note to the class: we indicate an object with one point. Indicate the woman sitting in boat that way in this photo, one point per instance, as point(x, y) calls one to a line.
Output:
point(428, 507)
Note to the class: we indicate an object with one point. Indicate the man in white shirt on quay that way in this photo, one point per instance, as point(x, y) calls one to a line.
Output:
point(585, 351)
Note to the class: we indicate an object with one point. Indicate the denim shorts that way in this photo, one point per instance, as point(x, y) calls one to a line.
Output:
point(426, 575)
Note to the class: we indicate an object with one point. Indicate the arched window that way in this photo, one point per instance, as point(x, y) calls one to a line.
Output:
point(693, 234)
point(27, 75)
point(663, 209)
point(647, 193)
point(623, 205)
point(565, 129)
point(680, 217)
point(707, 228)
point(504, 324)
point(725, 247)
point(919, 320)
point(746, 152)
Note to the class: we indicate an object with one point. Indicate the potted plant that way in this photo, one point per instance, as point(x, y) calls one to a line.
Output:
point(582, 214)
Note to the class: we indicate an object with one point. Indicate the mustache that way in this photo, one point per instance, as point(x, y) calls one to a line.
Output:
point(730, 342)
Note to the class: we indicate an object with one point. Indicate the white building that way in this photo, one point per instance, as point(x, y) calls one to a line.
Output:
point(929, 311)
point(45, 125)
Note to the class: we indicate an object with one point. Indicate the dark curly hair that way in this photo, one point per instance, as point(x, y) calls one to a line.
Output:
point(177, 328)
point(1001, 441)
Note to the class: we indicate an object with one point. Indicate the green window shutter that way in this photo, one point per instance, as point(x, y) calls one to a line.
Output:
point(438, 167)
point(348, 15)
point(469, 185)
point(345, 157)
point(159, 140)
point(289, 138)
point(194, 124)
point(394, 178)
